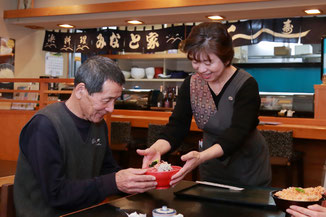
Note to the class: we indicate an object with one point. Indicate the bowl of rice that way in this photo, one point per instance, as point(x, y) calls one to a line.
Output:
point(303, 197)
point(163, 172)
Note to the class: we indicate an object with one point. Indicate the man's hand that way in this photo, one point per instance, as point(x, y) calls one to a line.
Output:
point(133, 181)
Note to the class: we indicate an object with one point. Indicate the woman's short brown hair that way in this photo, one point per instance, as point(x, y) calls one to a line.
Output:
point(209, 37)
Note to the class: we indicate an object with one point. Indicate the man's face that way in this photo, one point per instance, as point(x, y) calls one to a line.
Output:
point(96, 105)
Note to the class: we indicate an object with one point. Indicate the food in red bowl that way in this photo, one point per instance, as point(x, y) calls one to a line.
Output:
point(303, 197)
point(163, 173)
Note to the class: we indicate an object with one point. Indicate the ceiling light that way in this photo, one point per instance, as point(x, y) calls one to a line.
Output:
point(67, 26)
point(312, 11)
point(134, 22)
point(215, 17)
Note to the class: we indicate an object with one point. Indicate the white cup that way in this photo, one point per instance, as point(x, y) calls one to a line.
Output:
point(150, 72)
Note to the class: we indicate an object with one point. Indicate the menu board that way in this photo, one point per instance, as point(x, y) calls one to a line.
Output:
point(53, 64)
point(7, 57)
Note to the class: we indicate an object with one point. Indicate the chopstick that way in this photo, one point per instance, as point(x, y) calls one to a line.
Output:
point(220, 185)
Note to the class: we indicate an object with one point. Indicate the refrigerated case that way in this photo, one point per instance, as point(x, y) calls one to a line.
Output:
point(138, 99)
point(287, 104)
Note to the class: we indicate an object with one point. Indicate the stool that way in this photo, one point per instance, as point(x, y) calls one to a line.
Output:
point(153, 133)
point(120, 139)
point(283, 154)
point(7, 208)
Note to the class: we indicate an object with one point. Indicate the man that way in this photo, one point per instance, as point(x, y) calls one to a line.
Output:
point(64, 162)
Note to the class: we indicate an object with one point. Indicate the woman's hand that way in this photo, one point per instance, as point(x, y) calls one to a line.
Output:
point(313, 210)
point(150, 154)
point(154, 152)
point(192, 159)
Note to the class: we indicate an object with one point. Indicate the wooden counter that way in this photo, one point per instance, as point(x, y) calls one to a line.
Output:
point(320, 101)
point(304, 128)
point(143, 118)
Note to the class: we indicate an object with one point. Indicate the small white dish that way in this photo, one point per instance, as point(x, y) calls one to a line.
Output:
point(164, 76)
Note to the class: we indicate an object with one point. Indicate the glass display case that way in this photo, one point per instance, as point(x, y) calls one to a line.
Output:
point(138, 99)
point(287, 104)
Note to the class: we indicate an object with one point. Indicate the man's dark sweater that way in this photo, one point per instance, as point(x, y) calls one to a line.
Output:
point(40, 144)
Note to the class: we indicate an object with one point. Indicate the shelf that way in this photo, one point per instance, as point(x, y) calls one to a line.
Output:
point(148, 56)
point(284, 57)
point(157, 79)
point(161, 109)
point(7, 55)
point(278, 64)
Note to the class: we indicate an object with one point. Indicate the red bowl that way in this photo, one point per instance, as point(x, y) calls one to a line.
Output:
point(163, 178)
point(283, 204)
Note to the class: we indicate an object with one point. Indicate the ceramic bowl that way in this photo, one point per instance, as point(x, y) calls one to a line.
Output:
point(137, 73)
point(283, 204)
point(126, 74)
point(163, 178)
point(150, 72)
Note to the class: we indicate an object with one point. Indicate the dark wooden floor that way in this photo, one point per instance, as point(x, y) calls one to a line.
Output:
point(7, 168)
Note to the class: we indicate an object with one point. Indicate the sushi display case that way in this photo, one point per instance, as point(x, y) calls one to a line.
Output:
point(287, 104)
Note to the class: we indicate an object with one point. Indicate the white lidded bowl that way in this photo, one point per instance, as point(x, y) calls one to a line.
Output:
point(126, 74)
point(137, 73)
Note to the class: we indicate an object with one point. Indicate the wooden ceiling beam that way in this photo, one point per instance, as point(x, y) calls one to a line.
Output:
point(116, 7)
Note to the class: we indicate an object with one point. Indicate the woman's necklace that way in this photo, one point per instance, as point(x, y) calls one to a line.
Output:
point(219, 84)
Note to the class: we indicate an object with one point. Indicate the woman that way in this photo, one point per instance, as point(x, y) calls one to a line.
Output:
point(225, 102)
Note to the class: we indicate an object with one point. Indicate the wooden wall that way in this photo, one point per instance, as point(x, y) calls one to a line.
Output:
point(11, 123)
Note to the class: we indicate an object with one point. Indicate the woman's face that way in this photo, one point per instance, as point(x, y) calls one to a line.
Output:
point(210, 69)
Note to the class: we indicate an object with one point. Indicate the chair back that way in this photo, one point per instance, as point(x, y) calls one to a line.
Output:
point(120, 132)
point(153, 133)
point(280, 143)
point(323, 178)
point(7, 208)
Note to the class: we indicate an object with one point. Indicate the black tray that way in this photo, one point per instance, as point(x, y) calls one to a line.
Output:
point(249, 196)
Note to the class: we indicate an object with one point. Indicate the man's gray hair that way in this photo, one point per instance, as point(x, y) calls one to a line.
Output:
point(95, 71)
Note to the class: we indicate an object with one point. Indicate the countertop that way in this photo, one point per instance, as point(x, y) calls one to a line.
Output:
point(303, 128)
point(188, 206)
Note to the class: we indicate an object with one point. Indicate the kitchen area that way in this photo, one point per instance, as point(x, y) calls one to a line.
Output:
point(281, 95)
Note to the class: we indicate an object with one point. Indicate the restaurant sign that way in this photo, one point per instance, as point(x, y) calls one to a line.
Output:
point(289, 30)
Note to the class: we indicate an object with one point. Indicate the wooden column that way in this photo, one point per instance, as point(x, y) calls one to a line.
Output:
point(43, 95)
point(320, 101)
